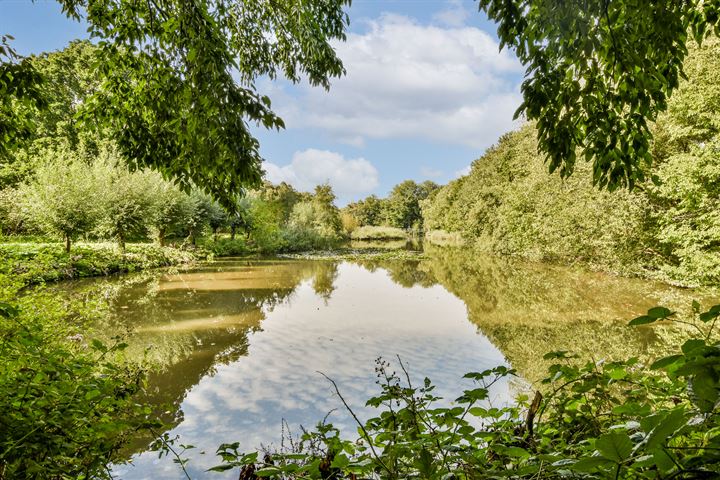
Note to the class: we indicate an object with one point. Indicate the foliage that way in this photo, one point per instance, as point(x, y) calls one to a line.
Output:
point(349, 222)
point(11, 217)
point(20, 95)
point(597, 420)
point(368, 211)
point(597, 76)
point(226, 247)
point(67, 412)
point(172, 211)
point(509, 205)
point(69, 80)
point(127, 200)
point(327, 216)
point(669, 228)
point(684, 198)
point(174, 61)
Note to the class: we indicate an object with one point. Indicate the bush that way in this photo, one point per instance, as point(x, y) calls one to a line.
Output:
point(226, 247)
point(68, 409)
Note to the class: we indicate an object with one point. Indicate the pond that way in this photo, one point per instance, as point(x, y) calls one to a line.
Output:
point(242, 343)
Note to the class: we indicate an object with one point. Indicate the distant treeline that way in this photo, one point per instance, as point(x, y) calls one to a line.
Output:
point(401, 208)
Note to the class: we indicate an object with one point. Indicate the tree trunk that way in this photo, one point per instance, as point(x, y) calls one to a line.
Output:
point(232, 233)
point(67, 243)
point(121, 244)
point(161, 237)
point(215, 230)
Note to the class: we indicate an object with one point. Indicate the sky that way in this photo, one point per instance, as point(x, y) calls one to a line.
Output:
point(427, 90)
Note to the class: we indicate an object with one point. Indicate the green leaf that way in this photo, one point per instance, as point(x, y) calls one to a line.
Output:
point(221, 468)
point(711, 314)
point(615, 446)
point(340, 461)
point(516, 452)
point(8, 311)
point(691, 345)
point(666, 361)
point(589, 464)
point(660, 313)
point(665, 428)
point(642, 320)
point(92, 394)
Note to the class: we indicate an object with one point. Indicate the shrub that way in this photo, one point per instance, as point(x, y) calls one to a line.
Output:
point(67, 409)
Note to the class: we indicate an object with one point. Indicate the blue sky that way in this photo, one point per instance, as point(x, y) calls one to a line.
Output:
point(426, 92)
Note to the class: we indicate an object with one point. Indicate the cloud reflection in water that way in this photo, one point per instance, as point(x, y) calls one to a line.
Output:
point(367, 315)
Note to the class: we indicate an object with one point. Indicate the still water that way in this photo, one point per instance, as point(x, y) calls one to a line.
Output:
point(241, 342)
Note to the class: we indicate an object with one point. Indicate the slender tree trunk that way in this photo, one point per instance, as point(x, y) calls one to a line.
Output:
point(161, 237)
point(67, 243)
point(232, 233)
point(215, 230)
point(121, 244)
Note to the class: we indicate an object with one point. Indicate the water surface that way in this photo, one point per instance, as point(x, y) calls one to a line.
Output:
point(242, 342)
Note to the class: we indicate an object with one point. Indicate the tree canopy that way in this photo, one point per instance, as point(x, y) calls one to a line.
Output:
point(177, 86)
point(599, 72)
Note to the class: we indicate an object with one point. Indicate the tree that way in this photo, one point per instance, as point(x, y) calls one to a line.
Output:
point(403, 204)
point(367, 211)
point(172, 211)
point(240, 218)
point(169, 94)
point(283, 195)
point(69, 80)
point(328, 222)
point(63, 197)
point(202, 204)
point(598, 73)
point(20, 95)
point(217, 217)
point(127, 199)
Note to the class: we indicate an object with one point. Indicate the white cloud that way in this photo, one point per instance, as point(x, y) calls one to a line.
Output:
point(463, 171)
point(429, 172)
point(348, 177)
point(453, 16)
point(407, 80)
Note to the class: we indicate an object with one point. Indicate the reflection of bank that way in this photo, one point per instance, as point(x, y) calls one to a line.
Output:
point(527, 309)
point(189, 323)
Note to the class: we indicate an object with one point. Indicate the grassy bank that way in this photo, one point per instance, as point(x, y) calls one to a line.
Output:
point(33, 263)
point(369, 232)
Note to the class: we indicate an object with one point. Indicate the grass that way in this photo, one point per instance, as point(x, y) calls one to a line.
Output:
point(368, 232)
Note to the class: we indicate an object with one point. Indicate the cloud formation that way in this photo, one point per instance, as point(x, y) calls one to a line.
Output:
point(408, 80)
point(348, 177)
point(454, 15)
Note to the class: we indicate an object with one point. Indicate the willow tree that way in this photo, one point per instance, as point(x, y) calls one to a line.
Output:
point(64, 196)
